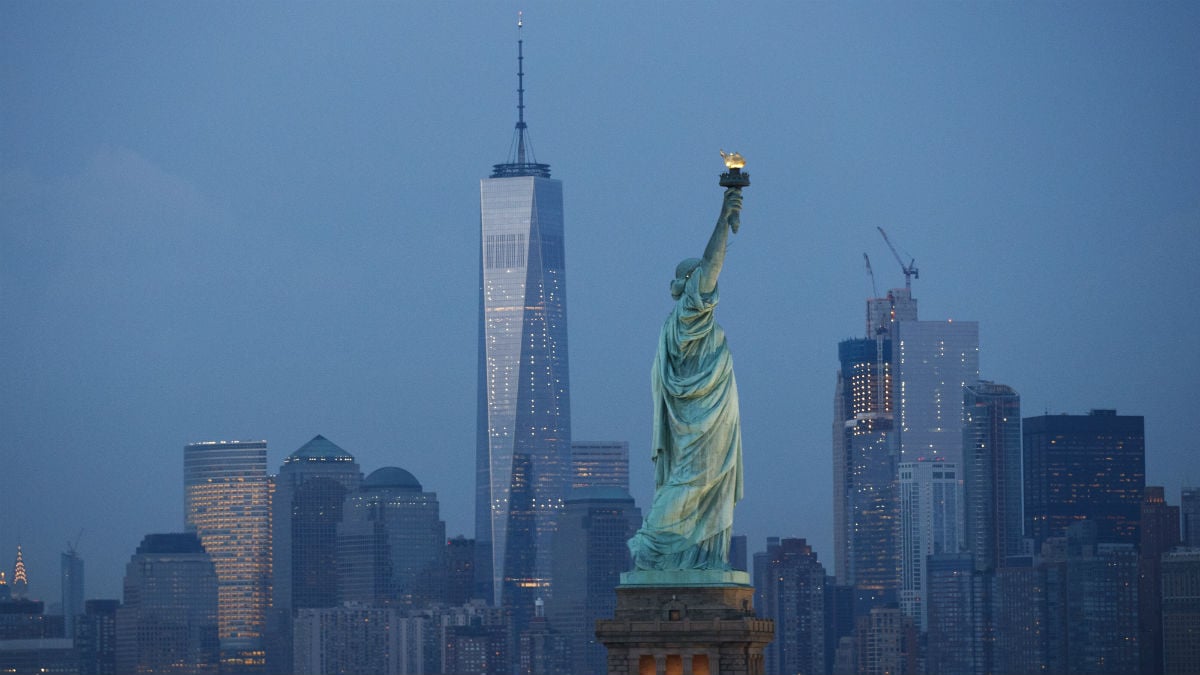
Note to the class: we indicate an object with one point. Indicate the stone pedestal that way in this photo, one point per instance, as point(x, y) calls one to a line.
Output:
point(698, 627)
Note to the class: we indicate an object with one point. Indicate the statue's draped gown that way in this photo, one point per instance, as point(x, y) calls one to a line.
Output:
point(697, 441)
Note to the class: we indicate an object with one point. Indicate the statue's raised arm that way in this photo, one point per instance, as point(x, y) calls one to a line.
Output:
point(714, 253)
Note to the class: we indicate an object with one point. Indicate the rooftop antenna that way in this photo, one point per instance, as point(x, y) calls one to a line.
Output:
point(522, 162)
point(520, 90)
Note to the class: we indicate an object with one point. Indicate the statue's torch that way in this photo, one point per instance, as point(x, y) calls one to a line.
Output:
point(734, 176)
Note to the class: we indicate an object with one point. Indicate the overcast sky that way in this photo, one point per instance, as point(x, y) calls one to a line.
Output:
point(260, 220)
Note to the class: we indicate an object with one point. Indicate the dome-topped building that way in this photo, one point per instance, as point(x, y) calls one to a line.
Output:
point(391, 542)
point(391, 477)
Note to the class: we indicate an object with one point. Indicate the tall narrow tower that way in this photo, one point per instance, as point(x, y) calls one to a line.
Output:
point(523, 455)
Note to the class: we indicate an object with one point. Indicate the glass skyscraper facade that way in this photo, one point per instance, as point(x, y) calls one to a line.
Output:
point(227, 503)
point(866, 508)
point(992, 474)
point(590, 555)
point(600, 464)
point(1084, 466)
point(72, 589)
point(523, 460)
point(934, 361)
point(931, 494)
point(168, 620)
point(391, 543)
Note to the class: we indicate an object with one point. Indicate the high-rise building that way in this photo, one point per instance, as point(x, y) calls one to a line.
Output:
point(310, 492)
point(1181, 610)
point(1102, 605)
point(1084, 466)
point(886, 643)
point(952, 614)
point(168, 621)
point(353, 639)
point(931, 494)
point(72, 589)
point(738, 553)
point(391, 542)
point(96, 637)
point(227, 503)
point(460, 570)
point(523, 459)
point(866, 508)
point(991, 472)
point(789, 588)
point(934, 361)
point(590, 553)
point(1159, 533)
point(600, 464)
point(1189, 516)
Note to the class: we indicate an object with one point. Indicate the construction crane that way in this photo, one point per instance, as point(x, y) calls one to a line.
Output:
point(910, 270)
point(870, 273)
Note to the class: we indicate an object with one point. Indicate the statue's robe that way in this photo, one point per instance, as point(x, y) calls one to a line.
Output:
point(697, 441)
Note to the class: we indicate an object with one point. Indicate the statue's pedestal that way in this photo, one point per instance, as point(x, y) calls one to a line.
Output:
point(685, 623)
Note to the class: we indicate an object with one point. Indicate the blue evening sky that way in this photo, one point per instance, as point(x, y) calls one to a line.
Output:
point(229, 220)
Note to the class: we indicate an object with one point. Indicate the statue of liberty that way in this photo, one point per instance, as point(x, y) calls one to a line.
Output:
point(697, 439)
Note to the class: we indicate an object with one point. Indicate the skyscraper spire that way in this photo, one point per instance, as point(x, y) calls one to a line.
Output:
point(20, 582)
point(521, 161)
point(520, 90)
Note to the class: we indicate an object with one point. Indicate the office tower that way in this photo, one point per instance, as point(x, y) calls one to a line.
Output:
point(24, 619)
point(227, 503)
point(866, 509)
point(168, 621)
point(19, 587)
point(839, 626)
point(886, 643)
point(1181, 610)
point(446, 639)
point(72, 589)
point(590, 553)
point(789, 588)
point(1159, 533)
point(1102, 603)
point(1084, 466)
point(1029, 615)
point(352, 639)
point(542, 649)
point(951, 614)
point(991, 471)
point(391, 542)
point(460, 570)
point(600, 464)
point(931, 494)
point(479, 647)
point(523, 458)
point(934, 361)
point(738, 554)
point(96, 637)
point(1189, 515)
point(306, 508)
point(310, 491)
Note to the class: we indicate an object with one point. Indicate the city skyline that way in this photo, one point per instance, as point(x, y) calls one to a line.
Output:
point(250, 223)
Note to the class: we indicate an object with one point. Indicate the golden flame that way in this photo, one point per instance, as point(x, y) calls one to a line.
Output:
point(733, 160)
